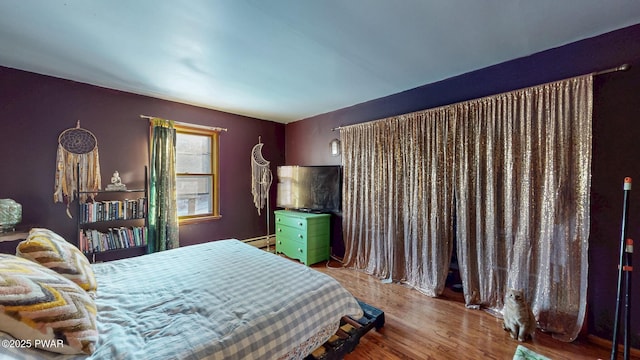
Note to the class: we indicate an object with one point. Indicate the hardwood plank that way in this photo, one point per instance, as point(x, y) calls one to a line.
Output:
point(420, 327)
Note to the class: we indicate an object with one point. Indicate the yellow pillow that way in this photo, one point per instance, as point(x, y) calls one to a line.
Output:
point(44, 309)
point(52, 251)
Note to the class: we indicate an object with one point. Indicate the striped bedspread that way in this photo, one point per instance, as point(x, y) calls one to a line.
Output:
point(218, 300)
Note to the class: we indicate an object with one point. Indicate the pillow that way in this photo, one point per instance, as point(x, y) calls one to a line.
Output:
point(45, 309)
point(52, 251)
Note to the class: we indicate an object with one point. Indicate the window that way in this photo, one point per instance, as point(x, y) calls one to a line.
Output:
point(197, 173)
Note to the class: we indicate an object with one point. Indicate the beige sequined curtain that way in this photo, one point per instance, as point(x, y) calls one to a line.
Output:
point(523, 175)
point(514, 169)
point(398, 199)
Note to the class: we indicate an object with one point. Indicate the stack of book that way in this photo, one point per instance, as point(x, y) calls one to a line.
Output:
point(112, 210)
point(115, 238)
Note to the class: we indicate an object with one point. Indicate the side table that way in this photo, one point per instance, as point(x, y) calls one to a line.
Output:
point(13, 235)
point(9, 240)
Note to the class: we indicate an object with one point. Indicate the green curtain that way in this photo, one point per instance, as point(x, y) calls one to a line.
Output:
point(163, 214)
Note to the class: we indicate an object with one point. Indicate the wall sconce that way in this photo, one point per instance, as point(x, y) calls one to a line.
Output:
point(334, 145)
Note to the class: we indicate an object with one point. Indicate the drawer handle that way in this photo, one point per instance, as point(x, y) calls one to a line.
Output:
point(300, 250)
point(300, 223)
point(279, 242)
point(278, 219)
point(279, 229)
point(300, 236)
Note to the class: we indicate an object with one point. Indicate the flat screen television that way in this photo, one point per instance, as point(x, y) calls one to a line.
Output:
point(310, 188)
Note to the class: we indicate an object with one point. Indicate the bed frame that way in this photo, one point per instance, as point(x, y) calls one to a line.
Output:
point(349, 333)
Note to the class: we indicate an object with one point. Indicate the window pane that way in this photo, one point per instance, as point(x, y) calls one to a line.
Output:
point(193, 154)
point(194, 195)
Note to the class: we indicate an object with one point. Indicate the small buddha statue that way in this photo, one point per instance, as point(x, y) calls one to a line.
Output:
point(115, 179)
point(116, 182)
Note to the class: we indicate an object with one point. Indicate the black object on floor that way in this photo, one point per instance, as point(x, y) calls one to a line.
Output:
point(349, 333)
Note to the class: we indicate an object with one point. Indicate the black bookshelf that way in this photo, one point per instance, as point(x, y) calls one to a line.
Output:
point(112, 225)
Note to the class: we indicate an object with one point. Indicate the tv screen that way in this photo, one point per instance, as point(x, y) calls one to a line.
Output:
point(310, 188)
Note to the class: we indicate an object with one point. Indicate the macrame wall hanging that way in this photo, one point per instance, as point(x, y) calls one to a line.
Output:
point(261, 178)
point(77, 162)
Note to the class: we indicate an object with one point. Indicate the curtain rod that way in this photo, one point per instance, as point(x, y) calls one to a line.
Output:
point(187, 124)
point(623, 67)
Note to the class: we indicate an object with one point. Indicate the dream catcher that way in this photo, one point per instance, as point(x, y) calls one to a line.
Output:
point(261, 178)
point(77, 162)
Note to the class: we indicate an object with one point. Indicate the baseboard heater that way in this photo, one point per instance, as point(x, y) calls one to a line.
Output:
point(265, 242)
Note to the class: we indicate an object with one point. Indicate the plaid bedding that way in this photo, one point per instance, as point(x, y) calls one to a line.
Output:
point(217, 300)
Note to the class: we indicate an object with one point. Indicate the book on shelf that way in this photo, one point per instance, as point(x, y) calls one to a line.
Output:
point(92, 240)
point(109, 210)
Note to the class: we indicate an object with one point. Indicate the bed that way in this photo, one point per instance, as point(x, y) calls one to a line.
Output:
point(218, 300)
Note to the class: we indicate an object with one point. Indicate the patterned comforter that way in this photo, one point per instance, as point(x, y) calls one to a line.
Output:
point(217, 300)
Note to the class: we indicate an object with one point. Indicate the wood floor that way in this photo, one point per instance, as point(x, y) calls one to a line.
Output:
point(421, 327)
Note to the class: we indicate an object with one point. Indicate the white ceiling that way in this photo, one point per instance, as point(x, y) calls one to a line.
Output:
point(285, 60)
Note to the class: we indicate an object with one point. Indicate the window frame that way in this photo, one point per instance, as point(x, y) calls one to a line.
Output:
point(215, 173)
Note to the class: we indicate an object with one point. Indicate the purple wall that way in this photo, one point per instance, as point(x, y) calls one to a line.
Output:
point(35, 109)
point(615, 141)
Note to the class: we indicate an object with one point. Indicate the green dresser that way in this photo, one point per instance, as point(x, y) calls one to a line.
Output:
point(302, 236)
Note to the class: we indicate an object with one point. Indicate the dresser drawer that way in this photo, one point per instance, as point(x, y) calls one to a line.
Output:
point(291, 221)
point(289, 232)
point(292, 248)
